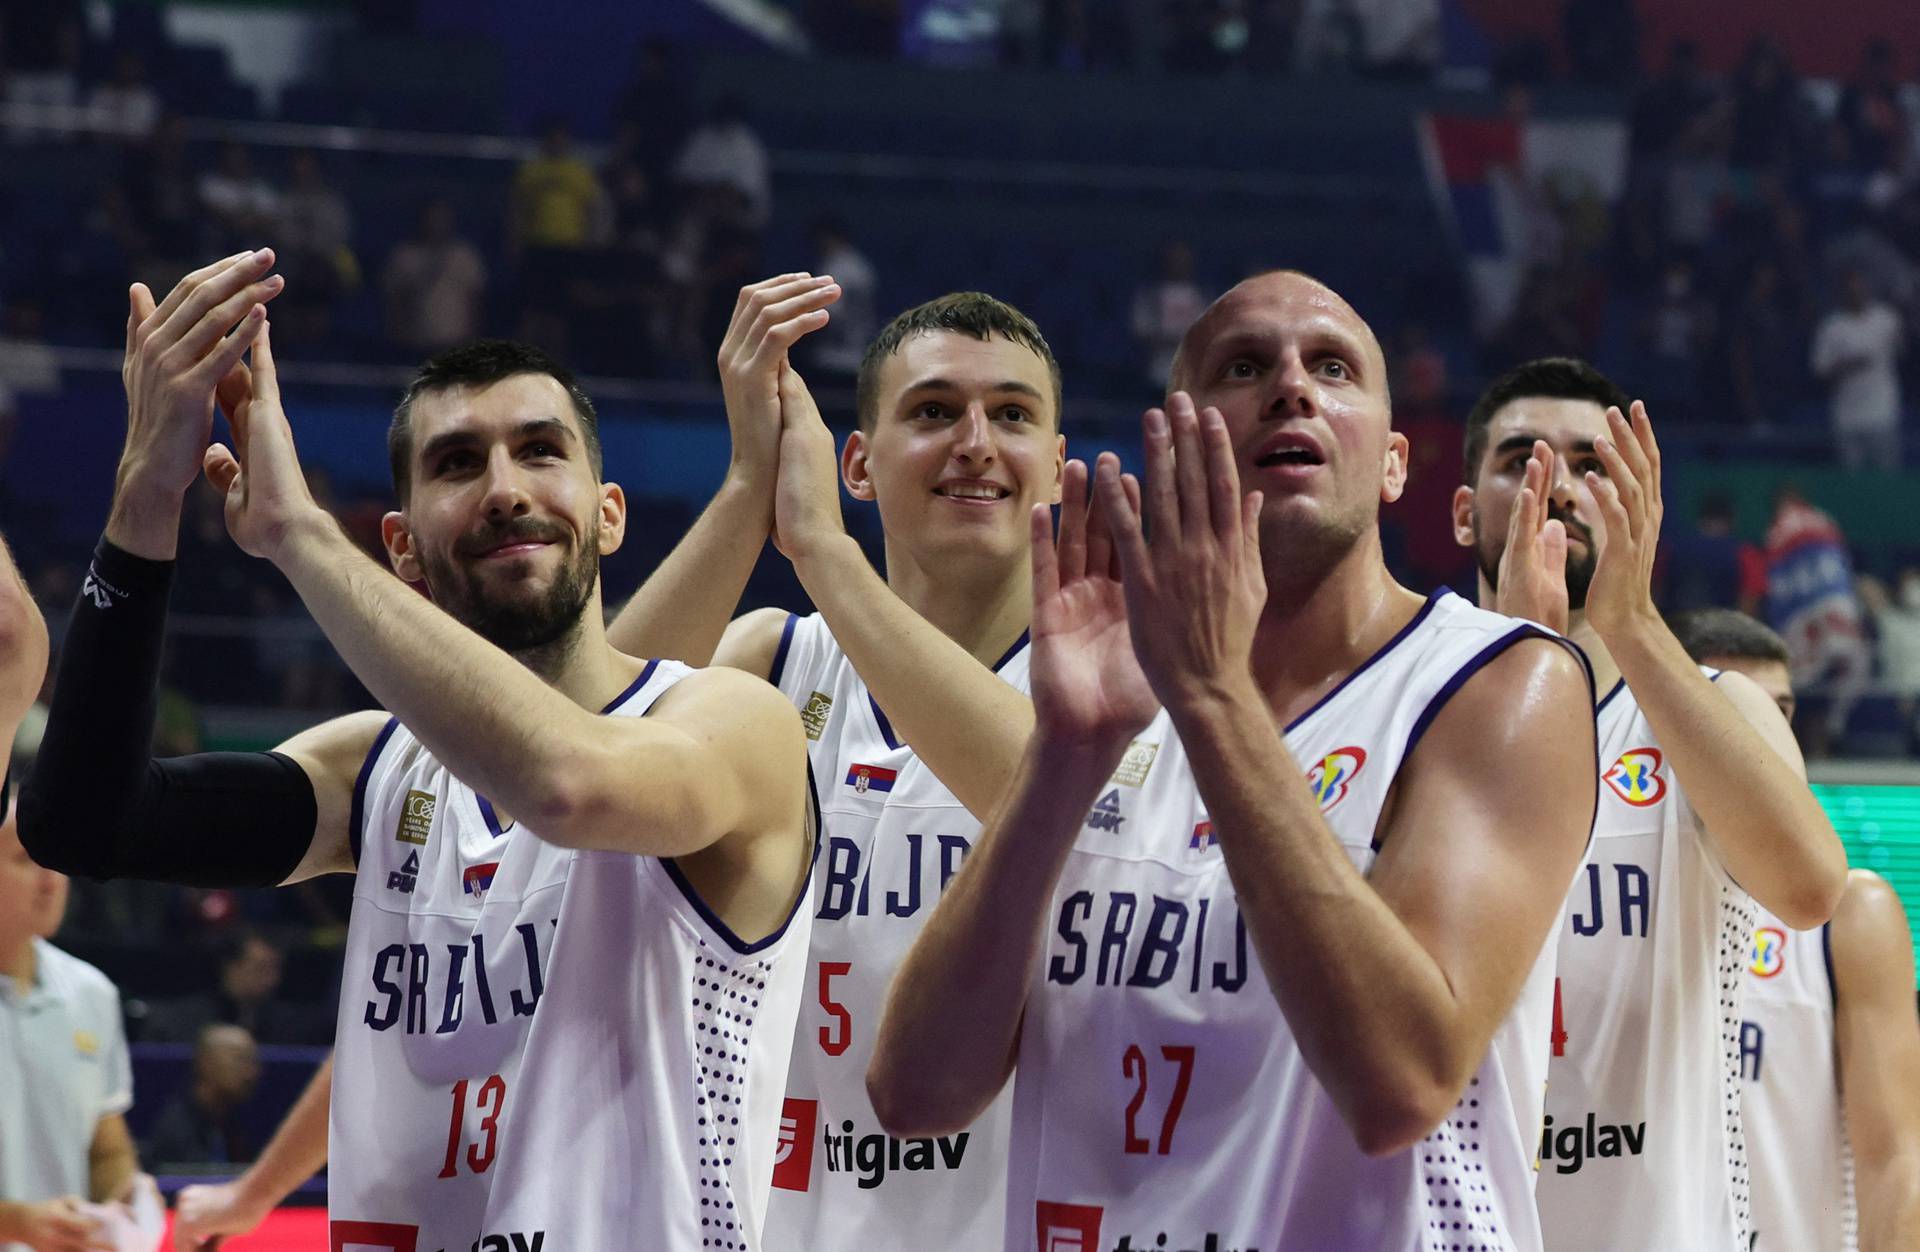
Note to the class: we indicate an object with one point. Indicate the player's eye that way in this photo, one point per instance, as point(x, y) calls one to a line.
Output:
point(1335, 369)
point(932, 412)
point(1240, 368)
point(1014, 413)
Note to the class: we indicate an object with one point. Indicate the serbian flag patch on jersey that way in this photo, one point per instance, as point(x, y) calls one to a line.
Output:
point(1203, 837)
point(477, 878)
point(865, 778)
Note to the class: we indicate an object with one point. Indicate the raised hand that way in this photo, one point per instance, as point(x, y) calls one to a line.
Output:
point(1621, 596)
point(203, 1213)
point(1088, 688)
point(266, 490)
point(177, 353)
point(1195, 587)
point(768, 319)
point(806, 506)
point(1533, 569)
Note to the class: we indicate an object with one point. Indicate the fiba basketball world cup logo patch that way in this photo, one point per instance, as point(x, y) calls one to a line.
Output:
point(1769, 952)
point(1636, 777)
point(1334, 773)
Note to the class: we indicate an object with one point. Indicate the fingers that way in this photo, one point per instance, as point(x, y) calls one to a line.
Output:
point(139, 309)
point(1250, 507)
point(773, 315)
point(220, 467)
point(1163, 491)
point(1553, 554)
point(234, 390)
point(1222, 476)
point(186, 287)
point(1607, 495)
point(1100, 556)
point(1120, 505)
point(237, 314)
point(746, 296)
point(1624, 486)
point(1649, 446)
point(1189, 466)
point(1046, 566)
point(1073, 523)
point(796, 402)
point(173, 325)
point(227, 354)
point(266, 376)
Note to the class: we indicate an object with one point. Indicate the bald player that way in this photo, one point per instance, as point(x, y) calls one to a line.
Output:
point(1703, 801)
point(1294, 993)
point(1829, 1042)
point(576, 869)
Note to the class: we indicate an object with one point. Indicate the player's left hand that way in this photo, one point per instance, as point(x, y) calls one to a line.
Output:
point(1195, 587)
point(806, 501)
point(1620, 598)
point(267, 495)
point(1533, 568)
point(204, 1213)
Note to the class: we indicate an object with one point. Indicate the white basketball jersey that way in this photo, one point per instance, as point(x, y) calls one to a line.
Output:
point(1642, 1147)
point(1160, 1100)
point(541, 1048)
point(1797, 1145)
point(892, 838)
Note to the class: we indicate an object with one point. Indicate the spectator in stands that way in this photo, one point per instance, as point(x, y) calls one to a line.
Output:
point(1399, 39)
point(44, 45)
point(201, 1125)
point(164, 196)
point(723, 152)
point(1855, 350)
point(1163, 309)
point(840, 345)
point(1676, 333)
point(653, 110)
point(1708, 566)
point(65, 1078)
point(1896, 621)
point(1763, 349)
point(1812, 603)
point(248, 995)
point(1871, 113)
point(239, 204)
point(1769, 115)
point(556, 197)
point(433, 284)
point(126, 107)
point(313, 236)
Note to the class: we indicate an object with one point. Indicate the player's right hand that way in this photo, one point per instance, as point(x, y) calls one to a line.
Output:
point(59, 1226)
point(202, 1214)
point(1533, 568)
point(177, 354)
point(768, 319)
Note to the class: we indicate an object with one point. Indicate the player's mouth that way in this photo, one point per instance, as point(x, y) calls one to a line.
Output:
point(972, 492)
point(506, 551)
point(1289, 454)
point(511, 541)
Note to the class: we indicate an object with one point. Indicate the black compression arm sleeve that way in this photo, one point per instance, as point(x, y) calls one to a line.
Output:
point(96, 802)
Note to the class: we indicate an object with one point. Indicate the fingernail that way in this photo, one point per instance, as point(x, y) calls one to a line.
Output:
point(273, 281)
point(261, 255)
point(1156, 422)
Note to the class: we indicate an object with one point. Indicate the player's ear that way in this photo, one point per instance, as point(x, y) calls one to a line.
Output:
point(1463, 515)
point(854, 471)
point(1059, 466)
point(613, 518)
point(398, 539)
point(1394, 478)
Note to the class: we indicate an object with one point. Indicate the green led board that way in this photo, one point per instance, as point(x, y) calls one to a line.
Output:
point(1881, 827)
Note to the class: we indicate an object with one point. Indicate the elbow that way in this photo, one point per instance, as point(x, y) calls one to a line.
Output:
point(51, 839)
point(1809, 900)
point(1387, 1123)
point(910, 1103)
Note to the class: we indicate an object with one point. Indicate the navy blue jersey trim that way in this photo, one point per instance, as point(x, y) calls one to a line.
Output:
point(637, 683)
point(1026, 637)
point(780, 653)
point(1370, 662)
point(359, 810)
point(1478, 662)
point(712, 919)
point(886, 727)
point(1826, 956)
point(487, 815)
point(1619, 685)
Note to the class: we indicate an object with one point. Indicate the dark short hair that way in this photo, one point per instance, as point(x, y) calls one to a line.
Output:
point(481, 364)
point(972, 313)
point(1707, 633)
point(1547, 378)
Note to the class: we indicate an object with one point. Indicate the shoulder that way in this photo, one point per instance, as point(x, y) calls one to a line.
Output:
point(720, 690)
point(756, 642)
point(1520, 705)
point(73, 978)
point(1868, 906)
point(342, 741)
point(1870, 943)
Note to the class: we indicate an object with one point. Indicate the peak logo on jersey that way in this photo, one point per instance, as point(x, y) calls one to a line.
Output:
point(813, 715)
point(793, 1151)
point(1571, 1147)
point(1067, 1227)
point(416, 818)
point(1136, 764)
point(1203, 837)
point(475, 879)
point(1336, 771)
point(870, 1158)
point(1106, 814)
point(1635, 778)
point(404, 878)
point(1769, 951)
point(865, 778)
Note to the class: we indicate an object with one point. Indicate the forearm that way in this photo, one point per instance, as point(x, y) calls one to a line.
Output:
point(110, 1170)
point(298, 1148)
point(1888, 1196)
point(952, 1024)
point(1775, 839)
point(683, 608)
point(968, 725)
point(1370, 1007)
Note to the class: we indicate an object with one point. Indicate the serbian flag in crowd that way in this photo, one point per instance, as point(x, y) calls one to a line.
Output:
point(1811, 600)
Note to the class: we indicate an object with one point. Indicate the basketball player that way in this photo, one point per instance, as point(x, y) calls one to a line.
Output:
point(1703, 800)
point(912, 690)
point(204, 1212)
point(1262, 928)
point(634, 877)
point(1829, 1046)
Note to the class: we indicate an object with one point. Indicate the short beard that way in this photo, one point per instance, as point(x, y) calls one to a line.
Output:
point(1579, 568)
point(518, 626)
